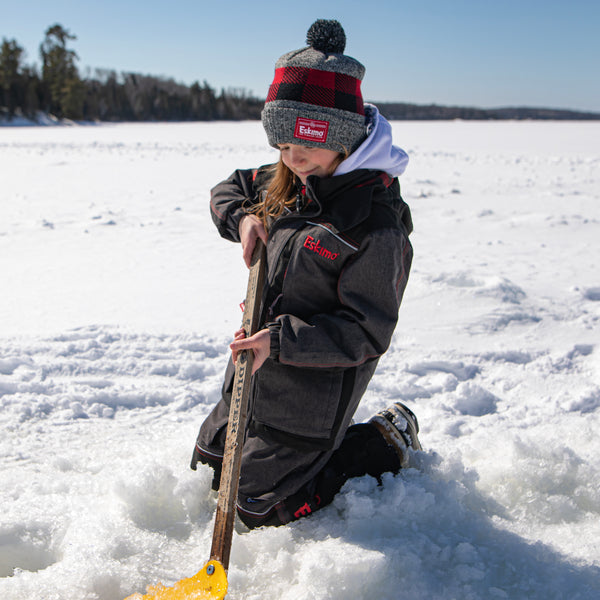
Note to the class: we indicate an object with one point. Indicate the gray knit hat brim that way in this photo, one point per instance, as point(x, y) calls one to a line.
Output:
point(344, 131)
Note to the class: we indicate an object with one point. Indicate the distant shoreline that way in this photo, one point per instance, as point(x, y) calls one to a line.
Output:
point(396, 111)
point(393, 111)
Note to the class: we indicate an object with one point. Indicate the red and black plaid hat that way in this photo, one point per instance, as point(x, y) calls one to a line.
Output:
point(315, 98)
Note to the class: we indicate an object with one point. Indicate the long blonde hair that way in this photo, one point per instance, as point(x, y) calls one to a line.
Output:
point(282, 190)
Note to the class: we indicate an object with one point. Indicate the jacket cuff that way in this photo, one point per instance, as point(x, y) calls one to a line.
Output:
point(274, 330)
point(236, 217)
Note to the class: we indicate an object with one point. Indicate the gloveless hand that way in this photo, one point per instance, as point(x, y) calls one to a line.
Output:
point(259, 343)
point(250, 229)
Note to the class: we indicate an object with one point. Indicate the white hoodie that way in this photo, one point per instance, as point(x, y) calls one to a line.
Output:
point(377, 151)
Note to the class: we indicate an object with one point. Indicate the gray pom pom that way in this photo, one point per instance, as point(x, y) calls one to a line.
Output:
point(327, 36)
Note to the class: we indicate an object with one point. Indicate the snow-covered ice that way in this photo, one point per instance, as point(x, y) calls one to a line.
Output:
point(117, 302)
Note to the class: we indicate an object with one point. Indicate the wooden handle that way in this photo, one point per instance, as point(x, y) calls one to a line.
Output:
point(238, 416)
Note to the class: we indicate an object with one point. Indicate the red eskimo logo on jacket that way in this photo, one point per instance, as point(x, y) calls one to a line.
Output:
point(315, 246)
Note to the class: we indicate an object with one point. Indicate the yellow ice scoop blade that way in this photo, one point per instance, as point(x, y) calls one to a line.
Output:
point(210, 583)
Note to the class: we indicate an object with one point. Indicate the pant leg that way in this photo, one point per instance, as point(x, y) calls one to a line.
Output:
point(363, 452)
point(270, 471)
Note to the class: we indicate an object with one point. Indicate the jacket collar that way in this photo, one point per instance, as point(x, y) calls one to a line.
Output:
point(345, 200)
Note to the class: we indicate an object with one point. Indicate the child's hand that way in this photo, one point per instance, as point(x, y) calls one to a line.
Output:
point(259, 343)
point(251, 228)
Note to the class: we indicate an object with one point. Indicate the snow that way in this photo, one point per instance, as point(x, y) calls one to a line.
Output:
point(117, 302)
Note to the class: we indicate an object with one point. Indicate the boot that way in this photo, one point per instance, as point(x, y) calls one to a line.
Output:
point(399, 427)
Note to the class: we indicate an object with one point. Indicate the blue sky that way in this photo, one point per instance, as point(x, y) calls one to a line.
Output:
point(484, 53)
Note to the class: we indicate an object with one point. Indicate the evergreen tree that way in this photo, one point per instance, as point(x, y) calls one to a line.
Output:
point(11, 92)
point(65, 94)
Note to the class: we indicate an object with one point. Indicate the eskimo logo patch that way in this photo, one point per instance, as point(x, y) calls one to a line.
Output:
point(315, 246)
point(311, 130)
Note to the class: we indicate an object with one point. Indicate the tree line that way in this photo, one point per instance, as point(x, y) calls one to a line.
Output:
point(60, 90)
point(396, 111)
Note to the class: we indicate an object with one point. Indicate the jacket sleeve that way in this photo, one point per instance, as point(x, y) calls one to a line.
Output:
point(370, 290)
point(227, 200)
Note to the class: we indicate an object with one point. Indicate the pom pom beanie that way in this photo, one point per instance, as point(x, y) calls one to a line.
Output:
point(315, 98)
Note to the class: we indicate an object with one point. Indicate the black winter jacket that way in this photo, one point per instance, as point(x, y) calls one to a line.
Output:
point(336, 272)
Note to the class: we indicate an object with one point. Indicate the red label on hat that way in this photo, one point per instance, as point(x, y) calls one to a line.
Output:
point(311, 130)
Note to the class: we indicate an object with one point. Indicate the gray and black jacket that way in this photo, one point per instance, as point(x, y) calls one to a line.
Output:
point(337, 268)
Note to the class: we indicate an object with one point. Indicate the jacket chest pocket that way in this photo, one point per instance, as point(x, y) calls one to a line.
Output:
point(311, 278)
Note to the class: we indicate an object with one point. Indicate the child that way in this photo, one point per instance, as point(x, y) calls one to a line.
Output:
point(338, 255)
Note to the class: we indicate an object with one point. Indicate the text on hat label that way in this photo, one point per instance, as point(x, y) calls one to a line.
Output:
point(311, 130)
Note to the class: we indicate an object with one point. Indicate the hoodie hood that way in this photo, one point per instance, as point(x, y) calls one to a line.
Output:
point(377, 151)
